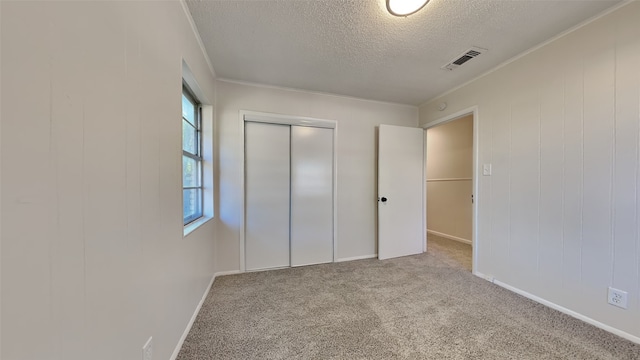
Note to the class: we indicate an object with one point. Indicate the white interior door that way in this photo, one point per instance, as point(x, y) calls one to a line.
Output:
point(400, 191)
point(267, 199)
point(311, 195)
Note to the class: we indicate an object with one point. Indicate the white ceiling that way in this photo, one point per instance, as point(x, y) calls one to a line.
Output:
point(356, 48)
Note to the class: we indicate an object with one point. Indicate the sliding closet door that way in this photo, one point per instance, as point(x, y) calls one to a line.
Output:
point(267, 177)
point(311, 195)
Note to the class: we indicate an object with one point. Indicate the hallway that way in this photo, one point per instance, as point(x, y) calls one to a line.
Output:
point(453, 253)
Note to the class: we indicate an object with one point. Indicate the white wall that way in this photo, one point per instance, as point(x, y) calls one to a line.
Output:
point(559, 216)
point(356, 139)
point(93, 255)
point(449, 178)
point(0, 182)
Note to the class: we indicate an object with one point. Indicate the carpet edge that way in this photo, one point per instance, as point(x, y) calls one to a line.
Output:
point(574, 314)
point(176, 350)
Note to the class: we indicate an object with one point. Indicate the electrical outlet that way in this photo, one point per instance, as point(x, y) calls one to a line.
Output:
point(147, 349)
point(618, 298)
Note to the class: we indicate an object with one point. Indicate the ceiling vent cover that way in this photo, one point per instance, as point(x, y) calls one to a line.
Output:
point(461, 59)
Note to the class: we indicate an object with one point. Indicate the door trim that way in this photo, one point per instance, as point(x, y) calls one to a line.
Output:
point(272, 118)
point(475, 177)
point(253, 116)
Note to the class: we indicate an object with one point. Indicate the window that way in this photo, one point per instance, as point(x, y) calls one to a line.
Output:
point(192, 194)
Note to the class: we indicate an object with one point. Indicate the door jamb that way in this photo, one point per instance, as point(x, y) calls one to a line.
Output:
point(286, 120)
point(475, 175)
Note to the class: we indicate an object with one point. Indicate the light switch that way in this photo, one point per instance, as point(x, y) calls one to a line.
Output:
point(486, 169)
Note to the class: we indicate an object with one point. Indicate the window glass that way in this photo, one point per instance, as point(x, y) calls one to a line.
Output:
point(188, 109)
point(190, 172)
point(191, 158)
point(192, 204)
point(189, 138)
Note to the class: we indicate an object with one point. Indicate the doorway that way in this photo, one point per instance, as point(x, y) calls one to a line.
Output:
point(450, 185)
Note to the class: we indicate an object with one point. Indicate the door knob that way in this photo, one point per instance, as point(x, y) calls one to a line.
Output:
point(383, 199)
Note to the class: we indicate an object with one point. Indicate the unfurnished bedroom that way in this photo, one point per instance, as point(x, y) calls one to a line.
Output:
point(319, 179)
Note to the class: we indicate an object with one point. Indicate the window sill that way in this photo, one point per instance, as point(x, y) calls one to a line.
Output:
point(191, 227)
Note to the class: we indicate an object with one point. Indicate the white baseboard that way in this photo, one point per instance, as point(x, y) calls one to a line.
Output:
point(357, 258)
point(229, 272)
point(195, 313)
point(459, 239)
point(483, 276)
point(174, 356)
point(571, 313)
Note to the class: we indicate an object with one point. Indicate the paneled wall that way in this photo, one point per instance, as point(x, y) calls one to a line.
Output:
point(356, 159)
point(559, 216)
point(94, 261)
point(449, 179)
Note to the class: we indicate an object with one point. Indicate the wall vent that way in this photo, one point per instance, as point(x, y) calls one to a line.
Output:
point(461, 59)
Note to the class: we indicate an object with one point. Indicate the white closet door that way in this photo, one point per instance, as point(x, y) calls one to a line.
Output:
point(311, 195)
point(267, 178)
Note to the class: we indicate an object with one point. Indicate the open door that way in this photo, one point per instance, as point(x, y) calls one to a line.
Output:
point(400, 191)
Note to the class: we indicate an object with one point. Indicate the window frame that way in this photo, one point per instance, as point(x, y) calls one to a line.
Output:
point(188, 93)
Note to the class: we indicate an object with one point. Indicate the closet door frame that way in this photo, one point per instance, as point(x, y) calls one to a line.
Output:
point(269, 118)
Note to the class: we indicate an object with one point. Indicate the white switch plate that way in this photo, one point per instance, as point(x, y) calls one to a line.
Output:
point(147, 349)
point(486, 169)
point(618, 298)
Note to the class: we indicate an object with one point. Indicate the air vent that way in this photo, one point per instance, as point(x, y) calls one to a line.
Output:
point(461, 59)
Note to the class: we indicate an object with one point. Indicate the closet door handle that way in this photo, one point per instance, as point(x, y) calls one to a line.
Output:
point(383, 199)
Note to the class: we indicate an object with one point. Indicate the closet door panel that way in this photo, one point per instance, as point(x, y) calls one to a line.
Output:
point(267, 200)
point(311, 195)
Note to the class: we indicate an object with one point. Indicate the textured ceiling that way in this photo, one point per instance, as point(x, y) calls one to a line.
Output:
point(356, 48)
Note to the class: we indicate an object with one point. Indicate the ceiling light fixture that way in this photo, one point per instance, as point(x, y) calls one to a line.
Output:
point(405, 7)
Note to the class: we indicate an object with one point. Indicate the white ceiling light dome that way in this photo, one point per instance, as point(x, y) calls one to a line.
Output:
point(405, 7)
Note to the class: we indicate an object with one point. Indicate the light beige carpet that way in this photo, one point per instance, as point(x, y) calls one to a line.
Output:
point(451, 252)
point(427, 306)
